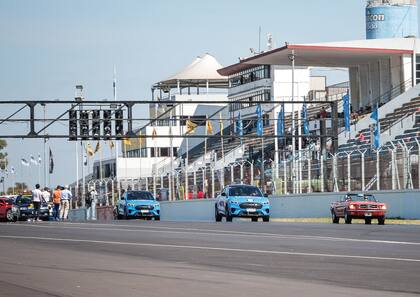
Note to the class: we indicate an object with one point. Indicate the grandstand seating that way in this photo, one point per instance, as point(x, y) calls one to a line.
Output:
point(363, 141)
point(215, 144)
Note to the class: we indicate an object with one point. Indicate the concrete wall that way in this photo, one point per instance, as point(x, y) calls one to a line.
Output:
point(404, 204)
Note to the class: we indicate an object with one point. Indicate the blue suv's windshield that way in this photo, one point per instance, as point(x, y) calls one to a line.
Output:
point(140, 196)
point(244, 191)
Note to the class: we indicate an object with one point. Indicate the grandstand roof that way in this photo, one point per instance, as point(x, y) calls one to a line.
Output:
point(330, 54)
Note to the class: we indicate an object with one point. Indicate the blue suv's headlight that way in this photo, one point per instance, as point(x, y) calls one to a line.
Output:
point(131, 204)
point(157, 205)
point(266, 202)
point(234, 202)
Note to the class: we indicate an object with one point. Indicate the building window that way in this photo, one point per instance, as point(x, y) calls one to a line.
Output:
point(250, 75)
point(417, 70)
point(249, 101)
point(163, 152)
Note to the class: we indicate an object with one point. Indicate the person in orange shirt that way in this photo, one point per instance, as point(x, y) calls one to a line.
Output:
point(56, 202)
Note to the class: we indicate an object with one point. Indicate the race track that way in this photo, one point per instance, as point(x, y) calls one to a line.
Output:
point(140, 258)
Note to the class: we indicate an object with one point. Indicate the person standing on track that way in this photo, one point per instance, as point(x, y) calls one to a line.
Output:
point(66, 196)
point(37, 199)
point(56, 203)
point(47, 198)
point(91, 201)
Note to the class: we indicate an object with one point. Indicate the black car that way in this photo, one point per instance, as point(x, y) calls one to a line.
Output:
point(24, 209)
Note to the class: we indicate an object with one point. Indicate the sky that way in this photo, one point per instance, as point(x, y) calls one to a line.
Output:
point(49, 46)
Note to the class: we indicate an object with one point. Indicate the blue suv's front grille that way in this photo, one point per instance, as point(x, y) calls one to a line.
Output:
point(251, 205)
point(140, 207)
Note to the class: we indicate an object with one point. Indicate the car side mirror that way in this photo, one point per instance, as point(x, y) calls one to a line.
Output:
point(223, 194)
point(266, 195)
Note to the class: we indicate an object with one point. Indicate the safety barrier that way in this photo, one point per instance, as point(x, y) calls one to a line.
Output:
point(401, 204)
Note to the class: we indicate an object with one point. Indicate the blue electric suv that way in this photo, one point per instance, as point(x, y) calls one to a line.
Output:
point(242, 201)
point(138, 204)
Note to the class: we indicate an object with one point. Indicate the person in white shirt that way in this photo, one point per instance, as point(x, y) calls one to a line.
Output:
point(36, 199)
point(91, 201)
point(47, 198)
point(66, 196)
point(46, 195)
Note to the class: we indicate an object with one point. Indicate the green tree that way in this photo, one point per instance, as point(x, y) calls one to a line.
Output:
point(18, 188)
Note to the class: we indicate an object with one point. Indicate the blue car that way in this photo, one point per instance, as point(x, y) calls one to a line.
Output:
point(242, 201)
point(23, 209)
point(138, 204)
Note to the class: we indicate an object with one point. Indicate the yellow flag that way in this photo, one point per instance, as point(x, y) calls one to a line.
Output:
point(209, 127)
point(127, 141)
point(111, 145)
point(89, 150)
point(141, 139)
point(98, 147)
point(154, 134)
point(191, 126)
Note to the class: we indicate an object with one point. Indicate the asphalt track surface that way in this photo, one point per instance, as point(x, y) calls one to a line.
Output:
point(143, 258)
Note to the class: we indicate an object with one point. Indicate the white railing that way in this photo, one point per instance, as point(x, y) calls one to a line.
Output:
point(407, 122)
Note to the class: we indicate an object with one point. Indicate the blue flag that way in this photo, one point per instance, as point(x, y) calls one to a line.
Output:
point(260, 124)
point(239, 126)
point(305, 119)
point(346, 109)
point(376, 133)
point(280, 122)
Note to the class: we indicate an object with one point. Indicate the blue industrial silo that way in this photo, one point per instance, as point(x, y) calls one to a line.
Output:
point(391, 19)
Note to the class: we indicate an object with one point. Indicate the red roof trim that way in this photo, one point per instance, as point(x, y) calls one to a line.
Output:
point(243, 66)
point(351, 49)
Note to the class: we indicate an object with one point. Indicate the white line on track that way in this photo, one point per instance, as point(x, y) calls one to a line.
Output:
point(172, 230)
point(267, 252)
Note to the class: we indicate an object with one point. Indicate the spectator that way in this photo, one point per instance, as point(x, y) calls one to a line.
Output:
point(66, 196)
point(46, 195)
point(91, 201)
point(47, 198)
point(56, 203)
point(323, 114)
point(36, 199)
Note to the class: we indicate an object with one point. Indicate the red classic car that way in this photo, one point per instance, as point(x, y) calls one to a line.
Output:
point(6, 211)
point(358, 206)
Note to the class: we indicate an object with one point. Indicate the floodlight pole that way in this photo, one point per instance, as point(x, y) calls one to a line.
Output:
point(292, 59)
point(349, 172)
point(418, 161)
point(378, 171)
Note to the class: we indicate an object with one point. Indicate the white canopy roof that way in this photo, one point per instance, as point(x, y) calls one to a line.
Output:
point(202, 70)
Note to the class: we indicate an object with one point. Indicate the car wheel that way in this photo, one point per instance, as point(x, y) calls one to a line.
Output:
point(368, 221)
point(217, 215)
point(347, 218)
point(9, 216)
point(254, 219)
point(266, 219)
point(229, 218)
point(157, 218)
point(381, 221)
point(335, 219)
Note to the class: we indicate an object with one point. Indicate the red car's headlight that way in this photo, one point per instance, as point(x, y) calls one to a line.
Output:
point(352, 206)
point(383, 207)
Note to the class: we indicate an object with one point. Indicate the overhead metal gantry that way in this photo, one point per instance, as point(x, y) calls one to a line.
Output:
point(83, 114)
